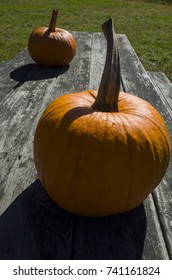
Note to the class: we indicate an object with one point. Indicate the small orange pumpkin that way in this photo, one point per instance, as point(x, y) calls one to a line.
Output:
point(51, 46)
point(101, 153)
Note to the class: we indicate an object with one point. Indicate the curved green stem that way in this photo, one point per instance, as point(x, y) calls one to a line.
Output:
point(107, 97)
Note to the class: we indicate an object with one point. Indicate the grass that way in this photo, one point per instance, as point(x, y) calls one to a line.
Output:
point(147, 24)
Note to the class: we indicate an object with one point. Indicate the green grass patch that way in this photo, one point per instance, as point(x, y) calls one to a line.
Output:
point(147, 24)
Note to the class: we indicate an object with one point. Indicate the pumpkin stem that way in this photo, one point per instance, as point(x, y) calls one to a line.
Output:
point(107, 97)
point(52, 24)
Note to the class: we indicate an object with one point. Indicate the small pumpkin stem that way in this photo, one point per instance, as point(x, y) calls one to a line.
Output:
point(52, 25)
point(107, 97)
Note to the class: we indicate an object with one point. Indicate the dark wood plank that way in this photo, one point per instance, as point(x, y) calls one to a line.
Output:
point(118, 237)
point(37, 88)
point(19, 115)
point(136, 80)
point(29, 88)
point(2, 64)
point(163, 87)
point(6, 81)
point(96, 69)
point(97, 60)
point(77, 77)
point(163, 200)
point(33, 227)
point(21, 110)
point(163, 196)
point(106, 238)
point(154, 247)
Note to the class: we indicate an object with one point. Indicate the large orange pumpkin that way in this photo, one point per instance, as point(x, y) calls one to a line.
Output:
point(51, 46)
point(101, 153)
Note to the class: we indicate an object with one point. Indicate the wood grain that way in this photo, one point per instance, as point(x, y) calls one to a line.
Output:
point(137, 81)
point(19, 115)
point(163, 195)
point(31, 225)
point(34, 227)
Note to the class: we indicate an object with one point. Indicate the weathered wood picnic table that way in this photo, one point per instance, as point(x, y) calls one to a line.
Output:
point(31, 225)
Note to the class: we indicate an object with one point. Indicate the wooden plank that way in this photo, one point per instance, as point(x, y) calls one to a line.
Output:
point(154, 246)
point(163, 87)
point(33, 227)
point(2, 64)
point(9, 68)
point(163, 201)
point(19, 116)
point(96, 69)
point(97, 60)
point(136, 80)
point(163, 196)
point(106, 238)
point(117, 237)
point(98, 57)
point(76, 79)
point(41, 230)
point(23, 170)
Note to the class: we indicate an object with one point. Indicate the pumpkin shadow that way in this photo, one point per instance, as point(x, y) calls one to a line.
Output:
point(34, 227)
point(35, 72)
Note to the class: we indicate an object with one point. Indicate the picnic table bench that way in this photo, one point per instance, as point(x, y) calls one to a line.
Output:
point(31, 225)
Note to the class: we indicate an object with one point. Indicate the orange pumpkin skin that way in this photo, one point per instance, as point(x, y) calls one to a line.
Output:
point(51, 48)
point(95, 163)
